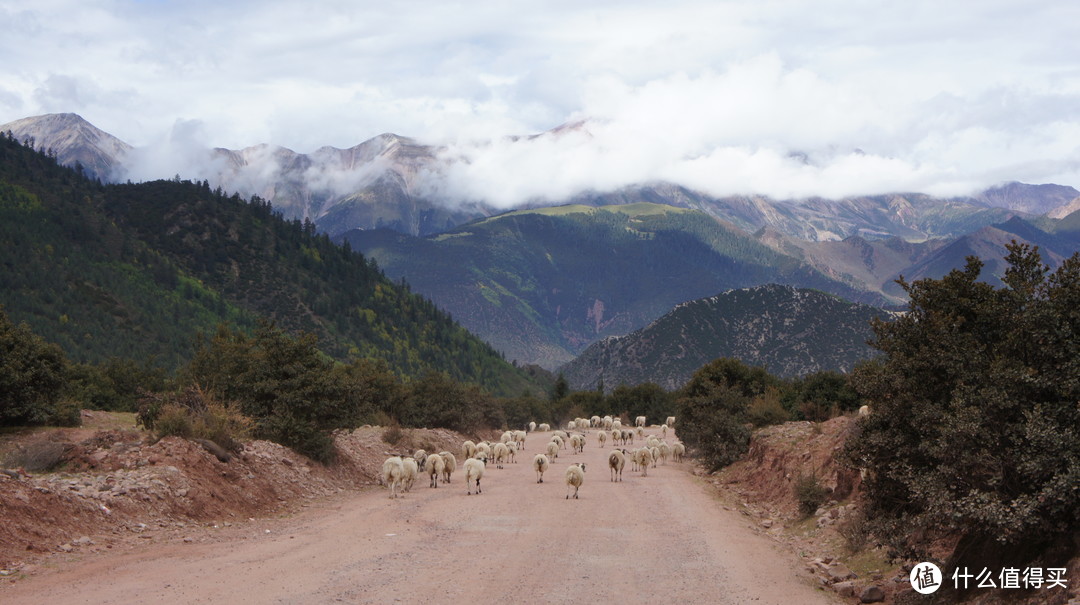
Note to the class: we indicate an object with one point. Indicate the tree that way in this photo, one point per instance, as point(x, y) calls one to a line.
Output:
point(31, 376)
point(712, 409)
point(975, 425)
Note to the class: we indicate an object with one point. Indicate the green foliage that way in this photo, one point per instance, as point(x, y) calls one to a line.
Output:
point(193, 413)
point(435, 400)
point(712, 409)
point(975, 425)
point(810, 494)
point(647, 399)
point(31, 376)
point(820, 396)
point(114, 385)
point(132, 271)
point(766, 409)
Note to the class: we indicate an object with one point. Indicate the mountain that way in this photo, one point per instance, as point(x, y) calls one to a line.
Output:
point(382, 183)
point(73, 141)
point(138, 270)
point(790, 331)
point(988, 244)
point(1031, 199)
point(540, 285)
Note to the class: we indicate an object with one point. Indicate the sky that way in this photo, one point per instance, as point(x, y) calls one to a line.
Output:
point(786, 98)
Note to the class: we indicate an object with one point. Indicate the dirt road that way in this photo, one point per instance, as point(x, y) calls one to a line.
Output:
point(663, 536)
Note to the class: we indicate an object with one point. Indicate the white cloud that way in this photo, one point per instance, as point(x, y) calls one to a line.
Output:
point(939, 97)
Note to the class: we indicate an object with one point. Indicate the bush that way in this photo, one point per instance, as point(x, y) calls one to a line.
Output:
point(766, 409)
point(31, 376)
point(393, 434)
point(975, 428)
point(810, 494)
point(855, 530)
point(194, 414)
point(39, 456)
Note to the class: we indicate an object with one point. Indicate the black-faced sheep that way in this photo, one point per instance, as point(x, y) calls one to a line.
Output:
point(540, 465)
point(575, 476)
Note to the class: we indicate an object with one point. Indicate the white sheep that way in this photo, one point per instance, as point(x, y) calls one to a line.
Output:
point(864, 410)
point(594, 422)
point(605, 423)
point(655, 451)
point(449, 465)
point(507, 436)
point(640, 432)
point(577, 443)
point(544, 427)
point(602, 436)
point(474, 471)
point(468, 449)
point(644, 459)
point(540, 464)
point(412, 469)
point(639, 421)
point(435, 465)
point(393, 471)
point(512, 450)
point(557, 439)
point(616, 460)
point(670, 421)
point(663, 431)
point(483, 448)
point(678, 450)
point(532, 427)
point(420, 456)
point(665, 451)
point(519, 439)
point(501, 453)
point(552, 449)
point(575, 476)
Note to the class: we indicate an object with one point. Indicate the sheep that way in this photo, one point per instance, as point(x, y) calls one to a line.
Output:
point(670, 421)
point(501, 452)
point(449, 465)
point(864, 410)
point(552, 450)
point(665, 451)
point(544, 427)
point(474, 471)
point(644, 459)
point(605, 423)
point(639, 421)
point(594, 422)
point(616, 460)
point(540, 464)
point(435, 468)
point(655, 451)
point(640, 432)
point(559, 440)
point(512, 450)
point(393, 471)
point(561, 435)
point(507, 437)
point(532, 427)
point(519, 439)
point(420, 456)
point(652, 441)
point(663, 431)
point(627, 435)
point(411, 470)
point(483, 448)
point(575, 476)
point(571, 425)
point(468, 449)
point(602, 436)
point(678, 450)
point(577, 443)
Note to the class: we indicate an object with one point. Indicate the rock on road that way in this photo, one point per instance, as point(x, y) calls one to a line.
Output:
point(664, 536)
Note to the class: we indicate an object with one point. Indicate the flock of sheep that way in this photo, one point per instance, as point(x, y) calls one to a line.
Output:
point(399, 473)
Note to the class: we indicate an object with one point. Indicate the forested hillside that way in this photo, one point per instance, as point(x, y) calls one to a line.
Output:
point(541, 285)
point(138, 270)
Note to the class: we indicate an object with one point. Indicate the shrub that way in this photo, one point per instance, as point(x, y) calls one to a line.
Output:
point(974, 427)
point(39, 456)
point(766, 409)
point(810, 494)
point(855, 530)
point(194, 414)
point(393, 434)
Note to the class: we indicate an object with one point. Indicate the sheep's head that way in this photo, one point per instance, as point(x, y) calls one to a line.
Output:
point(582, 465)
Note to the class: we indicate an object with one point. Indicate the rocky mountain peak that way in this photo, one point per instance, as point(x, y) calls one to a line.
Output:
point(74, 141)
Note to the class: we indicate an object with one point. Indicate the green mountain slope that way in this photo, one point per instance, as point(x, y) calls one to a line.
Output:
point(789, 331)
point(541, 285)
point(137, 270)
